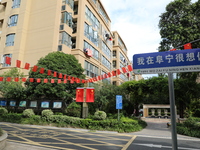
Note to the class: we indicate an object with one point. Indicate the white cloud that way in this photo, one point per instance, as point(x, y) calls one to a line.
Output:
point(137, 23)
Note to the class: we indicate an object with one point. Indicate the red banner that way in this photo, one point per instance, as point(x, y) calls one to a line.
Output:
point(90, 95)
point(79, 94)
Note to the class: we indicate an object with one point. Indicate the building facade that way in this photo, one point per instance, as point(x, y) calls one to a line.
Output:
point(30, 29)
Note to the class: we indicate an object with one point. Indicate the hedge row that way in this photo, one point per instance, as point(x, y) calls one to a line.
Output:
point(191, 127)
point(124, 125)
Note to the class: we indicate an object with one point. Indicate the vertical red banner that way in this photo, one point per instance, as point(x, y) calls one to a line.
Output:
point(90, 95)
point(18, 63)
point(79, 94)
point(35, 68)
point(27, 66)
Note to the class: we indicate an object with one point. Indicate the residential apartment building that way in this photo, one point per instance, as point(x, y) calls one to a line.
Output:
point(30, 29)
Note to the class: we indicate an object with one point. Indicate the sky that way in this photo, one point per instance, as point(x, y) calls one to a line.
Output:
point(137, 23)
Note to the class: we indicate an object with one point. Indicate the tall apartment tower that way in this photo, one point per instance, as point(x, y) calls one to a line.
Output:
point(30, 29)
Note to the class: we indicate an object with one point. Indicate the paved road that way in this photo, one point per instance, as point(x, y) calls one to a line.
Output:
point(155, 136)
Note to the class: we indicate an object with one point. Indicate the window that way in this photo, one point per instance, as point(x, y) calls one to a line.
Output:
point(106, 50)
point(114, 54)
point(92, 19)
point(4, 64)
point(95, 53)
point(69, 2)
point(91, 34)
point(13, 20)
point(105, 62)
point(114, 64)
point(65, 38)
point(91, 70)
point(16, 3)
point(10, 39)
point(67, 18)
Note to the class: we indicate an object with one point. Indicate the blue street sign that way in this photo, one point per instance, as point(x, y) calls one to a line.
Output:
point(166, 62)
point(118, 101)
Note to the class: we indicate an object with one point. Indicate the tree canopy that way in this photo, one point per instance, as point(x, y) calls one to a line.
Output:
point(12, 89)
point(56, 62)
point(180, 24)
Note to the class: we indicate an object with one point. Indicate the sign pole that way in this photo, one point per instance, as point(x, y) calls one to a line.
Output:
point(172, 109)
point(118, 114)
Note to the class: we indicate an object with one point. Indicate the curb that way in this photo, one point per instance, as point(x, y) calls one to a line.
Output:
point(3, 140)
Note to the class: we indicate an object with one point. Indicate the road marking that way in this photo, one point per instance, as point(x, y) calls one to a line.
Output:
point(129, 143)
point(161, 146)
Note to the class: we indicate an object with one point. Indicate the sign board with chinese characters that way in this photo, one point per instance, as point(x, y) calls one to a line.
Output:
point(167, 62)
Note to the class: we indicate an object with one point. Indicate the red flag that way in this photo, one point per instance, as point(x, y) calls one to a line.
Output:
point(71, 81)
point(49, 72)
point(83, 81)
point(59, 80)
point(60, 75)
point(109, 74)
point(45, 80)
point(55, 74)
point(65, 76)
point(188, 46)
point(27, 65)
point(124, 70)
point(8, 79)
point(130, 68)
point(174, 49)
point(64, 81)
point(69, 78)
point(90, 95)
point(99, 77)
point(1, 78)
point(77, 80)
point(118, 72)
point(79, 94)
point(41, 70)
point(18, 63)
point(38, 80)
point(35, 68)
point(8, 60)
point(114, 73)
point(16, 79)
point(23, 79)
point(52, 80)
point(31, 79)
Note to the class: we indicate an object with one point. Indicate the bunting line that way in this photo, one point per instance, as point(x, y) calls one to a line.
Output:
point(186, 46)
point(63, 76)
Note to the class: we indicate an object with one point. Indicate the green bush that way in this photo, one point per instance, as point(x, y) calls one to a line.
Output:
point(73, 109)
point(46, 114)
point(3, 111)
point(100, 115)
point(28, 113)
point(11, 117)
point(190, 127)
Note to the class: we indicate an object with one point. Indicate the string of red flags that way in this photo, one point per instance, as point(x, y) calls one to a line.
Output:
point(185, 46)
point(41, 80)
point(62, 76)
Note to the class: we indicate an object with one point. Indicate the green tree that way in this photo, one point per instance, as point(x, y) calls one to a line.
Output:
point(105, 98)
point(180, 24)
point(56, 62)
point(12, 89)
